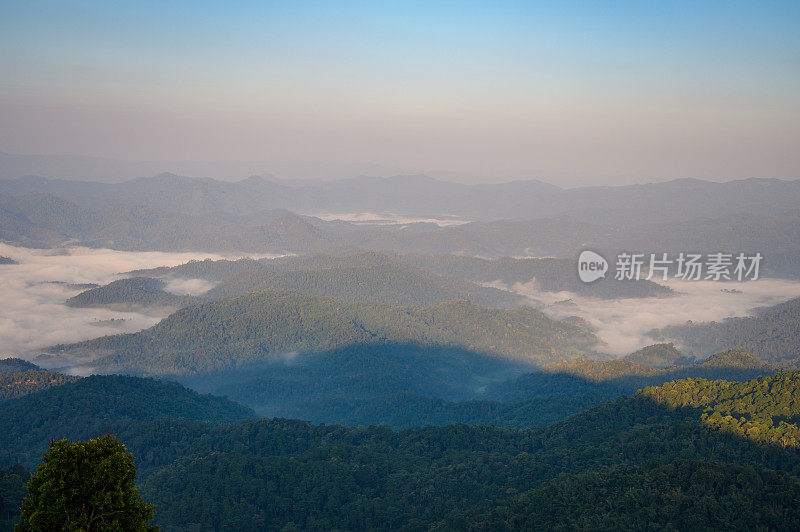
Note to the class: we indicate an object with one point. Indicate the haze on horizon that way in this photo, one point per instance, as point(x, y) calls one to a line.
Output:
point(571, 93)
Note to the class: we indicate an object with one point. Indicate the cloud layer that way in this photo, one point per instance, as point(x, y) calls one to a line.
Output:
point(623, 324)
point(33, 315)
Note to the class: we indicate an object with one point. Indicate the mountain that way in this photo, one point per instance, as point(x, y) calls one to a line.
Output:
point(93, 405)
point(771, 334)
point(211, 270)
point(661, 356)
point(128, 294)
point(546, 274)
point(738, 358)
point(45, 220)
point(406, 385)
point(372, 277)
point(455, 274)
point(261, 326)
point(764, 409)
point(671, 201)
point(7, 261)
point(651, 454)
point(385, 480)
point(19, 377)
point(395, 384)
point(17, 384)
point(13, 488)
point(9, 366)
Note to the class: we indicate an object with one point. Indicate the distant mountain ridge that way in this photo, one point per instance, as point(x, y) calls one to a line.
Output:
point(670, 201)
point(45, 220)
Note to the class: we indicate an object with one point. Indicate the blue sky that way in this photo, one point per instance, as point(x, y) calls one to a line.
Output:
point(593, 91)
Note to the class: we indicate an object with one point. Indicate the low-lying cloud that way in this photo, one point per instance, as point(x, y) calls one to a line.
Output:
point(191, 287)
point(33, 315)
point(371, 218)
point(623, 324)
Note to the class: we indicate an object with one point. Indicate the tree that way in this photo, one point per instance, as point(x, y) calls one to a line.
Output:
point(85, 486)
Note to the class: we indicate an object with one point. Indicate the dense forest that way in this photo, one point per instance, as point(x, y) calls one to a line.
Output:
point(405, 385)
point(621, 459)
point(771, 334)
point(683, 495)
point(551, 275)
point(660, 356)
point(129, 294)
point(22, 383)
point(256, 327)
point(378, 280)
point(16, 365)
point(19, 377)
point(93, 405)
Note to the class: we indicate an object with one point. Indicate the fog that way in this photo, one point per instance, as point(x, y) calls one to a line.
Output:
point(33, 315)
point(623, 324)
point(371, 218)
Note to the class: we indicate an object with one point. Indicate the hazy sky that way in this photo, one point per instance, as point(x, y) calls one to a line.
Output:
point(601, 91)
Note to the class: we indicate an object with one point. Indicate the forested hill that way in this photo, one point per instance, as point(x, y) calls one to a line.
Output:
point(129, 294)
point(13, 385)
point(660, 356)
point(93, 405)
point(675, 496)
point(260, 326)
point(365, 277)
point(16, 365)
point(452, 272)
point(19, 377)
point(209, 269)
point(772, 334)
point(375, 279)
point(766, 409)
point(661, 446)
point(549, 274)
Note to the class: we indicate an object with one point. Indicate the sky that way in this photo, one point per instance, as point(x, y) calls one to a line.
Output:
point(570, 92)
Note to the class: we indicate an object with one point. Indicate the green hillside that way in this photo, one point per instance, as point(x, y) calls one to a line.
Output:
point(16, 365)
point(771, 334)
point(654, 455)
point(259, 326)
point(386, 282)
point(375, 478)
point(129, 294)
point(405, 385)
point(17, 384)
point(550, 274)
point(766, 409)
point(96, 404)
point(659, 356)
point(684, 495)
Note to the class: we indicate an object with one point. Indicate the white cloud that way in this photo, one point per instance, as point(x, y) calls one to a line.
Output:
point(192, 287)
point(371, 218)
point(623, 324)
point(32, 311)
